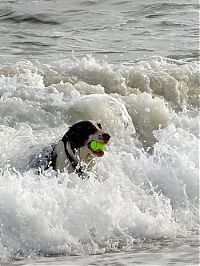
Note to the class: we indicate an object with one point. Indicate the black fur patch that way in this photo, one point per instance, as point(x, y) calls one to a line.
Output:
point(78, 134)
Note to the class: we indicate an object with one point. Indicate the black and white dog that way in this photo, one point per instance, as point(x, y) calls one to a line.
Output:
point(73, 152)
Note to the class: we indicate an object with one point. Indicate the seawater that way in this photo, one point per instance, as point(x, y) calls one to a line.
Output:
point(133, 67)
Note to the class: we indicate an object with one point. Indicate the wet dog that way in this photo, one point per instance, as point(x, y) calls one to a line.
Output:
point(73, 152)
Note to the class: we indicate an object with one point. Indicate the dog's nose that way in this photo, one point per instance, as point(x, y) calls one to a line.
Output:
point(105, 137)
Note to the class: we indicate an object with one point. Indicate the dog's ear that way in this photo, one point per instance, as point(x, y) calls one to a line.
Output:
point(79, 133)
point(71, 135)
point(75, 135)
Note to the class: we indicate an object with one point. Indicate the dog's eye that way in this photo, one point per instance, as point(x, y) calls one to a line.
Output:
point(99, 125)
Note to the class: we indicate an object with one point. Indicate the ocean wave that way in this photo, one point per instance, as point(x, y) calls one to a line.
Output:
point(146, 185)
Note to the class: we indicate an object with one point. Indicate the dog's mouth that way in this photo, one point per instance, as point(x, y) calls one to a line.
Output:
point(98, 153)
point(97, 147)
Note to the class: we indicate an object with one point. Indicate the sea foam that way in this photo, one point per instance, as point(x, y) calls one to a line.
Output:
point(146, 185)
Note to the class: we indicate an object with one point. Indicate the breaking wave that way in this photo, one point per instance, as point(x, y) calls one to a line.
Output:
point(146, 185)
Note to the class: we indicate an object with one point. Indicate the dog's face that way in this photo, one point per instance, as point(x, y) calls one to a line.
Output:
point(82, 133)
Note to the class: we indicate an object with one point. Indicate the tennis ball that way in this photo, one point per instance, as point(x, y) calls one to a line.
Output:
point(97, 146)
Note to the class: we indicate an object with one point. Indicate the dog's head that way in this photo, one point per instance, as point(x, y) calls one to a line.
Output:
point(81, 134)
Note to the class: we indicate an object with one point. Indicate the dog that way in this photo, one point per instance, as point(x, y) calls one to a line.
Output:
point(73, 152)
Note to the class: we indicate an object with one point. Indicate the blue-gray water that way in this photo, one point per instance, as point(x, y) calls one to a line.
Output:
point(133, 66)
point(122, 30)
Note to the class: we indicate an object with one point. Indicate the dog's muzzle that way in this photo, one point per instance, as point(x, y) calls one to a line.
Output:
point(98, 145)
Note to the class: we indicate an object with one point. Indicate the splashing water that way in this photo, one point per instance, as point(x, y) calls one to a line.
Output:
point(144, 188)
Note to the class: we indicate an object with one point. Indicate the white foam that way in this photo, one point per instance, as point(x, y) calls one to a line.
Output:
point(131, 195)
point(148, 114)
point(102, 108)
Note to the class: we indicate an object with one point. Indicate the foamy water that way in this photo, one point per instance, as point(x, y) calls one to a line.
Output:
point(140, 204)
point(144, 188)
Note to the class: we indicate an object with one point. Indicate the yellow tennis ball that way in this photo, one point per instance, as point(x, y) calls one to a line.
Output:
point(97, 146)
